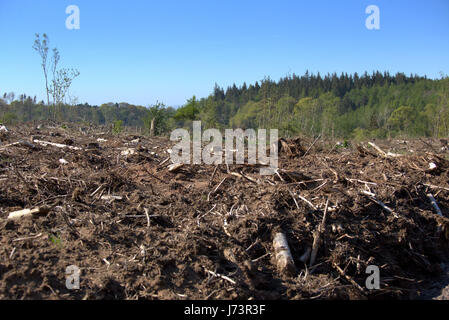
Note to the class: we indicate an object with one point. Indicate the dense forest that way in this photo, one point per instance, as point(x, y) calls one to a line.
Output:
point(345, 106)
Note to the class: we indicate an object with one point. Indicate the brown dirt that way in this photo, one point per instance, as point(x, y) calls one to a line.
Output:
point(193, 230)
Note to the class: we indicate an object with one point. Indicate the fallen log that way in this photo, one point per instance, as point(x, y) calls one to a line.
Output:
point(29, 212)
point(283, 255)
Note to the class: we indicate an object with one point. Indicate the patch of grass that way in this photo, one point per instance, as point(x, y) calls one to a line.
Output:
point(56, 240)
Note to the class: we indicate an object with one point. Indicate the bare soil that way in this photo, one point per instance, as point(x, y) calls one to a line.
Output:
point(206, 232)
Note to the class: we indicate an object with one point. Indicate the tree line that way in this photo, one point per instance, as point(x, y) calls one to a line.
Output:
point(345, 106)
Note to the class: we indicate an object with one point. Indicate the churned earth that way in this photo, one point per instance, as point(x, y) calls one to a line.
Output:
point(109, 205)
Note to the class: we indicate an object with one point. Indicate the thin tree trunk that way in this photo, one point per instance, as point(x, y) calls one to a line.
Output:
point(152, 127)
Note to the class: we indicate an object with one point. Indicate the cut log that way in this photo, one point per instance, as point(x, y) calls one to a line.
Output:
point(28, 212)
point(283, 255)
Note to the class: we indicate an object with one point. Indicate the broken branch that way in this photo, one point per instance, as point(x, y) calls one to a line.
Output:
point(317, 236)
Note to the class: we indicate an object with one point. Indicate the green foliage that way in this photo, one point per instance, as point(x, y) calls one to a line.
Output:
point(188, 111)
point(8, 118)
point(117, 126)
point(347, 106)
point(402, 118)
point(160, 115)
point(360, 134)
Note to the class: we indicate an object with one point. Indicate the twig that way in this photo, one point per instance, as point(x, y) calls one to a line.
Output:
point(12, 253)
point(293, 196)
point(320, 186)
point(248, 178)
point(277, 173)
point(205, 214)
point(306, 201)
point(342, 273)
point(148, 216)
point(163, 161)
point(51, 198)
point(96, 190)
point(319, 136)
point(217, 275)
point(28, 238)
point(372, 197)
point(361, 181)
point(216, 188)
point(261, 257)
point(435, 187)
point(252, 245)
point(213, 174)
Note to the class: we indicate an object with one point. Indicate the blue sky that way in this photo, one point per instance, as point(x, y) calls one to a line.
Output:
point(144, 51)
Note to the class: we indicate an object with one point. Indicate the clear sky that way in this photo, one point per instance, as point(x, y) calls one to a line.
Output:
point(144, 51)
